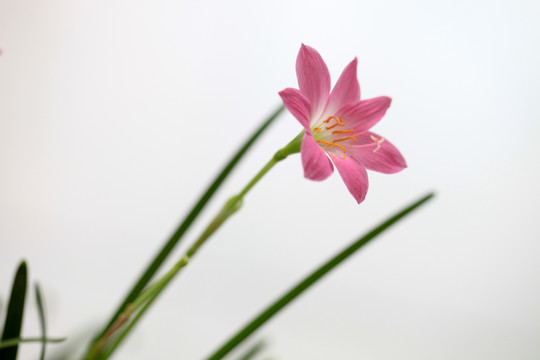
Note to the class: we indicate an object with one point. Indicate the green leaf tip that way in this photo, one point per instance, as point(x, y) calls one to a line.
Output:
point(253, 350)
point(15, 311)
point(41, 312)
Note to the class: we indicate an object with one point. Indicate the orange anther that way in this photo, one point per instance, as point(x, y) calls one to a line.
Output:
point(346, 138)
point(328, 144)
point(330, 118)
point(338, 122)
point(342, 131)
point(317, 129)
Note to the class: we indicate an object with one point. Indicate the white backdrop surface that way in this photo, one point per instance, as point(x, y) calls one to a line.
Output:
point(114, 115)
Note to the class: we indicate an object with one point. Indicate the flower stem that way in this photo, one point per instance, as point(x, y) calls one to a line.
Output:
point(178, 234)
point(235, 203)
point(144, 300)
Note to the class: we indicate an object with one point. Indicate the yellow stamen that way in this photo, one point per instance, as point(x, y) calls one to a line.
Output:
point(346, 138)
point(328, 144)
point(342, 131)
point(338, 122)
point(330, 118)
point(333, 126)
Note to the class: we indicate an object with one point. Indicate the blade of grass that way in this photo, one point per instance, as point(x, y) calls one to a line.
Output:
point(160, 257)
point(105, 354)
point(15, 310)
point(10, 343)
point(311, 279)
point(39, 304)
point(253, 350)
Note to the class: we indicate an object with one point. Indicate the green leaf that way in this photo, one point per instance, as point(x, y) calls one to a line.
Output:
point(15, 310)
point(311, 279)
point(253, 350)
point(10, 343)
point(160, 257)
point(39, 304)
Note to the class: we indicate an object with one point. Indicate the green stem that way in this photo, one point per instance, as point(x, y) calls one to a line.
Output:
point(167, 248)
point(153, 291)
point(160, 285)
point(235, 202)
point(144, 299)
point(230, 207)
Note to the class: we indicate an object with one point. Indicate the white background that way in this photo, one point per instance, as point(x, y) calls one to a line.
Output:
point(115, 115)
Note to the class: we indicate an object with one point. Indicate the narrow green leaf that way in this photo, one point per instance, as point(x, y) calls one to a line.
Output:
point(15, 310)
point(303, 285)
point(72, 348)
point(126, 330)
point(39, 304)
point(10, 343)
point(253, 350)
point(188, 220)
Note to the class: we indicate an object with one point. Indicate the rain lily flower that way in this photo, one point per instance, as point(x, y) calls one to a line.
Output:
point(337, 125)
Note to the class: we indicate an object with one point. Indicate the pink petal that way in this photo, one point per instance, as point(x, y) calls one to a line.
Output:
point(363, 115)
point(354, 176)
point(317, 165)
point(346, 90)
point(298, 105)
point(384, 158)
point(313, 78)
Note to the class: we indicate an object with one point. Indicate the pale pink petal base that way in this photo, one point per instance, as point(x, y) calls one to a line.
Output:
point(386, 159)
point(317, 165)
point(354, 176)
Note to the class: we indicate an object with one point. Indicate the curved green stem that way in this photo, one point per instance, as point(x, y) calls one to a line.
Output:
point(146, 298)
point(175, 238)
point(152, 295)
point(235, 202)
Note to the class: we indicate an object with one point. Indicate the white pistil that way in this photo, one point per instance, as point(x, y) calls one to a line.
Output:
point(378, 141)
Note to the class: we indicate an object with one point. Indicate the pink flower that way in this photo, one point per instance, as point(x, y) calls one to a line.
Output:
point(337, 125)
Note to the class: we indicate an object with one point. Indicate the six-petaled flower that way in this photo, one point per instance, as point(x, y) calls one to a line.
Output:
point(337, 125)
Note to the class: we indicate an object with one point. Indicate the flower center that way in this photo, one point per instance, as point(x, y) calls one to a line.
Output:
point(329, 138)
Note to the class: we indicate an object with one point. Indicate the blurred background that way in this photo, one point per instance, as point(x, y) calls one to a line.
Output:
point(115, 115)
